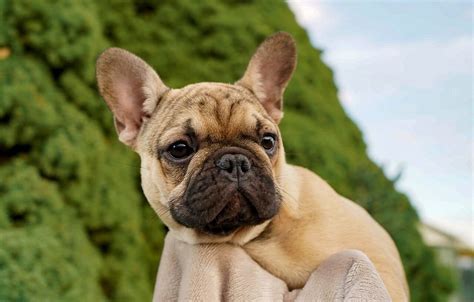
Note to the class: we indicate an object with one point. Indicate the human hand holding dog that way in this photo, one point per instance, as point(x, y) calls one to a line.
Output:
point(225, 272)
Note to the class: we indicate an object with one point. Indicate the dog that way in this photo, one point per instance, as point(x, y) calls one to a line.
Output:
point(213, 167)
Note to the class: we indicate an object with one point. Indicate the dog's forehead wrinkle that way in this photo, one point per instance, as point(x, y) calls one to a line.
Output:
point(189, 128)
point(209, 112)
point(258, 124)
point(220, 91)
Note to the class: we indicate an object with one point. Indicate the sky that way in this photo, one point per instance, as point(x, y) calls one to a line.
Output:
point(405, 75)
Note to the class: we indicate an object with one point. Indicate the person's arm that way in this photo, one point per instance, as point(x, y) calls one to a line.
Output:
point(224, 272)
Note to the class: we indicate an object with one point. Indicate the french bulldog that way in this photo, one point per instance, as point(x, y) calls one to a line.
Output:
point(213, 167)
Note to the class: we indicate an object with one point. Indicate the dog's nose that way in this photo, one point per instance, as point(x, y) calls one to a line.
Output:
point(235, 165)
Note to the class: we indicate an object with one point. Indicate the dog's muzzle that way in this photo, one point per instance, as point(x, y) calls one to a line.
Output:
point(231, 190)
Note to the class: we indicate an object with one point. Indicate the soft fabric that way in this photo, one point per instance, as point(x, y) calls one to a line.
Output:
point(224, 272)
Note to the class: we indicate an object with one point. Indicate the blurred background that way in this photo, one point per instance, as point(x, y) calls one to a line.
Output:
point(380, 106)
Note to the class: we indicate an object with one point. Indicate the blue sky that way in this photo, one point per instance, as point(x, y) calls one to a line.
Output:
point(405, 76)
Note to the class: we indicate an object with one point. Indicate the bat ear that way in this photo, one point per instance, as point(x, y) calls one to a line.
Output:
point(270, 70)
point(131, 89)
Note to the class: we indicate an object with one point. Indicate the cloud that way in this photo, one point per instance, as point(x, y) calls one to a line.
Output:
point(346, 97)
point(392, 66)
point(314, 15)
point(364, 66)
point(470, 13)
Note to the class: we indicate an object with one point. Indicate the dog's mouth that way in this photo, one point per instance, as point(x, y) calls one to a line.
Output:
point(236, 213)
point(227, 212)
point(217, 204)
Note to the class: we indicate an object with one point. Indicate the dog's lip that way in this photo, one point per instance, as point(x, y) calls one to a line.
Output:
point(246, 198)
point(226, 205)
point(224, 228)
point(194, 220)
point(220, 230)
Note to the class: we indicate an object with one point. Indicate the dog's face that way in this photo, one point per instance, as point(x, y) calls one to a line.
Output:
point(214, 148)
point(210, 152)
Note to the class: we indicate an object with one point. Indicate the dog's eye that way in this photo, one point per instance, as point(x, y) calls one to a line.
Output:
point(268, 142)
point(180, 150)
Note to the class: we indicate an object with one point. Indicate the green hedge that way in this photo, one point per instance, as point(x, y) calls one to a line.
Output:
point(74, 225)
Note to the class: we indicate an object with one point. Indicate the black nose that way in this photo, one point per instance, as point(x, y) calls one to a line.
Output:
point(235, 165)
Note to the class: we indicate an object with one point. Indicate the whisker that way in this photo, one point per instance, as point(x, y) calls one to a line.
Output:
point(287, 193)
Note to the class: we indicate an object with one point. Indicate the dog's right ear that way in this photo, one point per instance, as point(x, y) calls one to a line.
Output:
point(131, 89)
point(270, 70)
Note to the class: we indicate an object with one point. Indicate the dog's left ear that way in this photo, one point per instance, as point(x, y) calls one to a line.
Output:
point(131, 89)
point(270, 70)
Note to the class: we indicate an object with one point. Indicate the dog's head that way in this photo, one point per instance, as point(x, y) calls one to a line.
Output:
point(210, 152)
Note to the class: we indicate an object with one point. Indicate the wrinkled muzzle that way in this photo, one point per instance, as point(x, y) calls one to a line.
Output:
point(231, 190)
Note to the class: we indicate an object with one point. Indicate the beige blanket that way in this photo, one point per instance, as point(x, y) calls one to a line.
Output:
point(224, 272)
